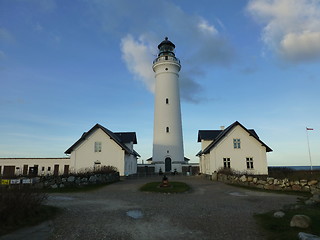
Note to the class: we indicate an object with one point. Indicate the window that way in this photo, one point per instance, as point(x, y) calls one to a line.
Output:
point(167, 129)
point(97, 147)
point(49, 168)
point(167, 100)
point(42, 169)
point(249, 161)
point(236, 143)
point(226, 162)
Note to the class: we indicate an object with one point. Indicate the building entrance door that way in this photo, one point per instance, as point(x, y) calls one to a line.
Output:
point(167, 162)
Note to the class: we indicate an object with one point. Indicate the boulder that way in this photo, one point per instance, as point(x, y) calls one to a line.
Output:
point(306, 188)
point(250, 179)
point(54, 186)
point(92, 179)
point(303, 182)
point(312, 182)
point(309, 202)
point(279, 214)
point(296, 187)
point(307, 236)
point(300, 221)
point(255, 180)
point(71, 179)
point(316, 198)
point(243, 178)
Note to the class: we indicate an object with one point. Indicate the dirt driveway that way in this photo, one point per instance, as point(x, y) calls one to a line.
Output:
point(212, 210)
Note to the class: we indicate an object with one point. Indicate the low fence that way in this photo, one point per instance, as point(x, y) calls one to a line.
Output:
point(270, 183)
point(63, 181)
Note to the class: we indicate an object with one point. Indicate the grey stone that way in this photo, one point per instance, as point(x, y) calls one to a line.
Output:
point(71, 179)
point(92, 179)
point(243, 178)
point(255, 180)
point(61, 185)
point(279, 214)
point(300, 221)
point(309, 202)
point(316, 198)
point(303, 182)
point(54, 186)
point(307, 236)
point(312, 182)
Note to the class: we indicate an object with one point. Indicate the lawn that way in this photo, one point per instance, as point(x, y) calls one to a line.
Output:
point(175, 187)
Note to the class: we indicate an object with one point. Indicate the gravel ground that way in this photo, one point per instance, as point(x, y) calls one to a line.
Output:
point(212, 210)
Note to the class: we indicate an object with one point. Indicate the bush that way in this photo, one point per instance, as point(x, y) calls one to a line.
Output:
point(20, 206)
point(86, 172)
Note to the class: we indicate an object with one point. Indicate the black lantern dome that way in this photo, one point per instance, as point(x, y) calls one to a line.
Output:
point(166, 47)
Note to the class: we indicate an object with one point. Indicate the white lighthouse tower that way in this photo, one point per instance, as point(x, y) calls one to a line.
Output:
point(167, 134)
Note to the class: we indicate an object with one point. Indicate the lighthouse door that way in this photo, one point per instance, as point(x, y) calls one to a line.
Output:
point(167, 164)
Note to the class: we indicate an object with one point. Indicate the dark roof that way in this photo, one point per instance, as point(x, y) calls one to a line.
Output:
point(120, 139)
point(217, 135)
point(166, 42)
point(127, 137)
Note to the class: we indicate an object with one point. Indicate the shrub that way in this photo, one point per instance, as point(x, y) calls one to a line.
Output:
point(19, 206)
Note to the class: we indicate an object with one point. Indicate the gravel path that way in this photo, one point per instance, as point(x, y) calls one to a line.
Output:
point(212, 210)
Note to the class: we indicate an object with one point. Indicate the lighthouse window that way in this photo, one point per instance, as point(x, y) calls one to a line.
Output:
point(167, 129)
point(167, 100)
point(166, 69)
point(166, 57)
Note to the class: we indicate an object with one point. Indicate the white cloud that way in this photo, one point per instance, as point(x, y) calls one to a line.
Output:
point(138, 59)
point(291, 27)
point(206, 28)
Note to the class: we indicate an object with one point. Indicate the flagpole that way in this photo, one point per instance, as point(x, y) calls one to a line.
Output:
point(309, 148)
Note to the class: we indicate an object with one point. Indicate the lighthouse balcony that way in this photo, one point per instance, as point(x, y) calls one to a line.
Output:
point(166, 58)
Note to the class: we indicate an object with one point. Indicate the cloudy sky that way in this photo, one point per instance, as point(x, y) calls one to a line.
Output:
point(67, 65)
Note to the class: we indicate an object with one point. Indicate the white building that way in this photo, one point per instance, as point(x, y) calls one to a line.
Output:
point(102, 147)
point(96, 148)
point(234, 147)
point(167, 135)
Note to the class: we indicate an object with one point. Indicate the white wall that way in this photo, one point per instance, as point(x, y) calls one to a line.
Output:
point(250, 147)
point(30, 162)
point(111, 153)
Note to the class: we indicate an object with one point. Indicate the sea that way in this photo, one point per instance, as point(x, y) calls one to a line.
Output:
point(298, 167)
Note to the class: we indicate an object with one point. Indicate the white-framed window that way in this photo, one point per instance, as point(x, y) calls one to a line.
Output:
point(249, 161)
point(226, 162)
point(97, 147)
point(236, 143)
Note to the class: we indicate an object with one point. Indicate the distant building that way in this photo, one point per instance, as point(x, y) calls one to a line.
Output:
point(96, 148)
point(234, 147)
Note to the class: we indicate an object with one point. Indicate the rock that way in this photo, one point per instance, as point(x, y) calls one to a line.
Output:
point(54, 186)
point(61, 185)
point(307, 236)
point(63, 180)
point(296, 187)
point(306, 188)
point(262, 182)
point(92, 179)
point(309, 202)
point(296, 182)
point(250, 179)
point(243, 178)
point(71, 179)
point(312, 182)
point(303, 182)
point(316, 198)
point(255, 180)
point(276, 182)
point(279, 214)
point(269, 187)
point(300, 221)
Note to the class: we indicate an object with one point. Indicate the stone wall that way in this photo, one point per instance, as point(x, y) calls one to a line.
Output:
point(64, 181)
point(269, 183)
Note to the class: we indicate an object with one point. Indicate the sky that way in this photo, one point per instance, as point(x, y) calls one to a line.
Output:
point(67, 65)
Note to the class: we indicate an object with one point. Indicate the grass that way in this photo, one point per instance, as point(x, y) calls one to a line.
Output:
point(279, 228)
point(86, 188)
point(176, 187)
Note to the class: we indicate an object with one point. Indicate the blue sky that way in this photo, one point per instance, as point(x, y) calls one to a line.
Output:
point(67, 65)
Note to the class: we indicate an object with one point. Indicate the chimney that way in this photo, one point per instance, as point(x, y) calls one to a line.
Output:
point(221, 127)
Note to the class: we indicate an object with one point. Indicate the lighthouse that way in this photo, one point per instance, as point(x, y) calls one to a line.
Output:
point(167, 153)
